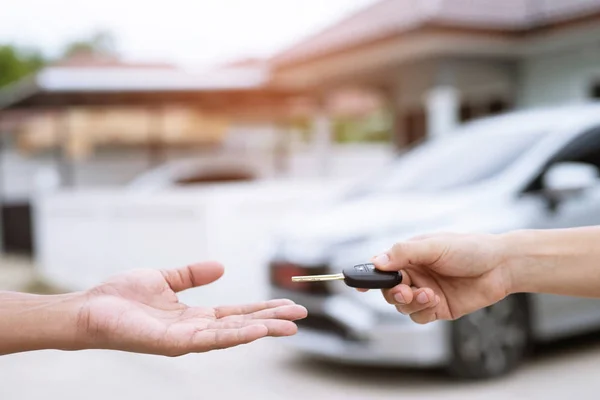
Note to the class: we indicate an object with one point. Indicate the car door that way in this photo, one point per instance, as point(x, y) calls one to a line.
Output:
point(562, 315)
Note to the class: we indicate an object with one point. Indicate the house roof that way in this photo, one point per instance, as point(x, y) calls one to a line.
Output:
point(387, 18)
point(107, 79)
point(112, 78)
point(83, 59)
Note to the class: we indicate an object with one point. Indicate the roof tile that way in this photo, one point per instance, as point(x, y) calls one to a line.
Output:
point(387, 17)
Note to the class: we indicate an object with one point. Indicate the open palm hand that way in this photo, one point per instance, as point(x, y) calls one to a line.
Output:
point(139, 312)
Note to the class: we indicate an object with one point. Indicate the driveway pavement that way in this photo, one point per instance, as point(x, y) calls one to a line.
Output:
point(267, 370)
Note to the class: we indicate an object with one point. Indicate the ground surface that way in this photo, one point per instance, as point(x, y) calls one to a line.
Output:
point(265, 370)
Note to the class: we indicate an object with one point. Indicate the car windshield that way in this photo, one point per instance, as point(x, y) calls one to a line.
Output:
point(453, 162)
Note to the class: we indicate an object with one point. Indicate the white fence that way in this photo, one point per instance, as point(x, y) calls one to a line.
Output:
point(119, 168)
point(83, 237)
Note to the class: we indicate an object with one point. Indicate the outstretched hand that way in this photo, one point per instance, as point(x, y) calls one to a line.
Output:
point(139, 312)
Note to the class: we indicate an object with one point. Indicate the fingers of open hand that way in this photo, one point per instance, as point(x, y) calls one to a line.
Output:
point(194, 275)
point(275, 315)
point(275, 327)
point(272, 318)
point(223, 338)
point(247, 309)
point(232, 331)
point(289, 312)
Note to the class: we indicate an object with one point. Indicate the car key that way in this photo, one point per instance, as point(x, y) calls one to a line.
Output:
point(362, 276)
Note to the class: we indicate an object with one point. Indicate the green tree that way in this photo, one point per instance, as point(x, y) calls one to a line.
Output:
point(101, 43)
point(374, 127)
point(16, 63)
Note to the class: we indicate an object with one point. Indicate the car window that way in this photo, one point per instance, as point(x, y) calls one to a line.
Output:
point(453, 162)
point(584, 148)
point(214, 176)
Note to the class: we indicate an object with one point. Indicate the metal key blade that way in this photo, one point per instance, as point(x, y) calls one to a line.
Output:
point(318, 278)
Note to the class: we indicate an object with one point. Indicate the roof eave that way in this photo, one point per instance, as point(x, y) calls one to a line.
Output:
point(287, 59)
point(14, 93)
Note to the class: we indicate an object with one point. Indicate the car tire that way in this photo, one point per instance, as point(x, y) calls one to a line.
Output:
point(491, 342)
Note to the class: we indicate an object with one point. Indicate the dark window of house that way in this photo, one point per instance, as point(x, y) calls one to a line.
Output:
point(415, 126)
point(498, 106)
point(216, 176)
point(482, 109)
point(595, 91)
point(466, 112)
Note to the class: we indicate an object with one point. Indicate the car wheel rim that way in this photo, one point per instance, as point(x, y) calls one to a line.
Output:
point(490, 338)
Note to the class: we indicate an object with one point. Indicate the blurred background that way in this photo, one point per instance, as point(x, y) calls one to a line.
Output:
point(298, 137)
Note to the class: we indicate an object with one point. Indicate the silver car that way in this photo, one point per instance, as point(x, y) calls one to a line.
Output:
point(534, 169)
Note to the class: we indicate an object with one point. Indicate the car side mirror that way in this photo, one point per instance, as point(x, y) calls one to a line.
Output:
point(569, 178)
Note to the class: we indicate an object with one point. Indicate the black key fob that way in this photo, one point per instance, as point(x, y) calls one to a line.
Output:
point(366, 276)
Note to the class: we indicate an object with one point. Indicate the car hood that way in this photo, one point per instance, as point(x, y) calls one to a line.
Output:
point(374, 215)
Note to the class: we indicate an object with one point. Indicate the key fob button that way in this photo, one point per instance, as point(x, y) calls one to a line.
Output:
point(366, 276)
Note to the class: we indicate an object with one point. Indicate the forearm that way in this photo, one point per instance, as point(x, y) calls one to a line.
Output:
point(37, 322)
point(563, 261)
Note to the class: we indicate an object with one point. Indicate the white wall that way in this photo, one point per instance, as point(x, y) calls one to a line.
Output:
point(18, 175)
point(116, 169)
point(86, 236)
point(559, 77)
point(474, 79)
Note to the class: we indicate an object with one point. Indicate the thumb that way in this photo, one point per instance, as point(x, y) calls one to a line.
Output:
point(403, 254)
point(193, 275)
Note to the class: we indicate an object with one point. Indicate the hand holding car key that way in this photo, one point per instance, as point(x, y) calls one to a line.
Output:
point(361, 276)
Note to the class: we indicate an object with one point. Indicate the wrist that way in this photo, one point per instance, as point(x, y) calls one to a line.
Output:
point(529, 256)
point(515, 260)
point(40, 322)
point(559, 261)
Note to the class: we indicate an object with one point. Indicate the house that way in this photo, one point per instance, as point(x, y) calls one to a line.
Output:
point(429, 64)
point(97, 122)
point(437, 63)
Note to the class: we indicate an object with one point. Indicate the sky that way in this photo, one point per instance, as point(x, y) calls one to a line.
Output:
point(193, 33)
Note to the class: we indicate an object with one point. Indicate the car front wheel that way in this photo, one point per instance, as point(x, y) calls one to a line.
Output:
point(491, 342)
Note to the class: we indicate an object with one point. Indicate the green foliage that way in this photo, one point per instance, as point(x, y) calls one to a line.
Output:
point(17, 63)
point(101, 43)
point(304, 126)
point(371, 128)
point(375, 127)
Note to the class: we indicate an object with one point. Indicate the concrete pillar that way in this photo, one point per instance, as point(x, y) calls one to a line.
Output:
point(282, 147)
point(442, 103)
point(63, 160)
point(2, 167)
point(322, 140)
point(391, 97)
point(156, 128)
